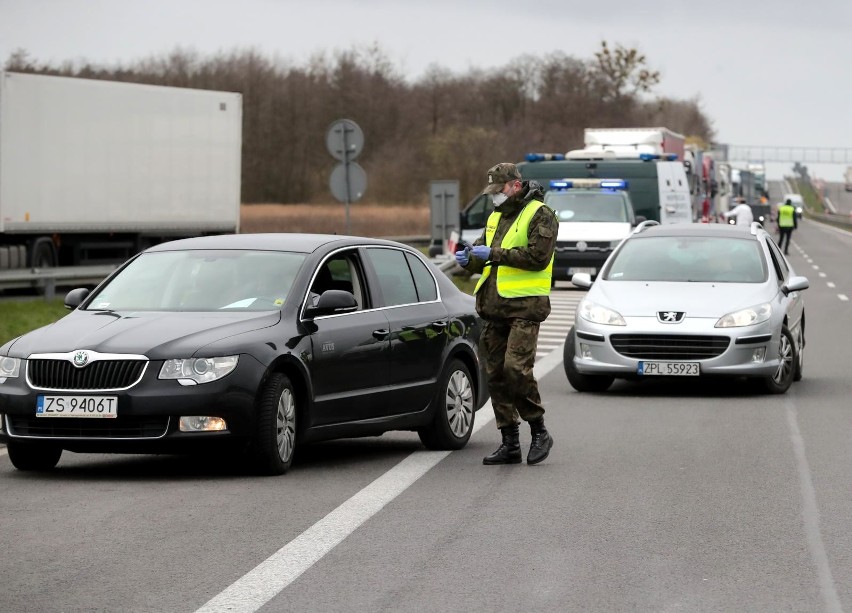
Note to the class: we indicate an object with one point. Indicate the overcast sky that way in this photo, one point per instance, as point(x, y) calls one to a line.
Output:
point(770, 72)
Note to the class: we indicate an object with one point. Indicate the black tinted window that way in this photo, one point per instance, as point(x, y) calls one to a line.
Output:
point(423, 280)
point(395, 279)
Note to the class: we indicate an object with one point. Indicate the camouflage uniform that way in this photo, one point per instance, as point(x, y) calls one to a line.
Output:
point(510, 335)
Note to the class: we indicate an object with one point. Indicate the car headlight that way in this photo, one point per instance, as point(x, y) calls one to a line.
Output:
point(598, 314)
point(193, 371)
point(9, 368)
point(746, 317)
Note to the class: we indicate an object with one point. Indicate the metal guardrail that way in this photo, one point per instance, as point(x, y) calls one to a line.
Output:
point(47, 279)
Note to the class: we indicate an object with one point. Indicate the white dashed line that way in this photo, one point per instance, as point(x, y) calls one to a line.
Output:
point(267, 579)
point(810, 513)
point(843, 297)
point(830, 284)
point(816, 267)
point(822, 274)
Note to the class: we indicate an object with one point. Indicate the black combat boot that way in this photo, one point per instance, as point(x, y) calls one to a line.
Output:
point(541, 442)
point(509, 451)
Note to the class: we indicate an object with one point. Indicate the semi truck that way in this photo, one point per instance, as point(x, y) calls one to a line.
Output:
point(630, 142)
point(94, 171)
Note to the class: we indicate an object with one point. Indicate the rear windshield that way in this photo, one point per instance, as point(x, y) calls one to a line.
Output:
point(577, 206)
point(689, 258)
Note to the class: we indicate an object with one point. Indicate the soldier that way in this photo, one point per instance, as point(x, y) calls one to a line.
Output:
point(515, 256)
point(787, 222)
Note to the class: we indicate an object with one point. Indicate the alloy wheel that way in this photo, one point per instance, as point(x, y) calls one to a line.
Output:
point(459, 403)
point(785, 364)
point(286, 425)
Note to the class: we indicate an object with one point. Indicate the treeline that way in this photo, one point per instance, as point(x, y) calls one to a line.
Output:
point(441, 126)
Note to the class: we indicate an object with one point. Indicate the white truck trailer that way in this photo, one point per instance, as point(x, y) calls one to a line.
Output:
point(94, 171)
point(631, 142)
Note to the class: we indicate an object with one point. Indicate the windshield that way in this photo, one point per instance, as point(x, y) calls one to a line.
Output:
point(578, 206)
point(201, 281)
point(689, 258)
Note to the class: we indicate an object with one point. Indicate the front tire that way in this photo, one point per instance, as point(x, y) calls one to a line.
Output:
point(455, 406)
point(800, 353)
point(275, 436)
point(781, 380)
point(33, 456)
point(579, 381)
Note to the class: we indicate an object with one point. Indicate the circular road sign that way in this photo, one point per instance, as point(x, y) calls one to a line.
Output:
point(344, 140)
point(357, 182)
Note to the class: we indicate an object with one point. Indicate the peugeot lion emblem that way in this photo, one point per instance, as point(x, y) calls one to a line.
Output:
point(670, 317)
point(582, 245)
point(81, 358)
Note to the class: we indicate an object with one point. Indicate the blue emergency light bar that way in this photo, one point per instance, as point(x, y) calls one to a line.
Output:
point(670, 157)
point(544, 157)
point(608, 184)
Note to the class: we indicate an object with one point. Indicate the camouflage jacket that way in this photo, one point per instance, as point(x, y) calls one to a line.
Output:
point(536, 256)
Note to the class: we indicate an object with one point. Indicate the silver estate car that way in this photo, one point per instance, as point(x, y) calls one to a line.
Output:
point(689, 300)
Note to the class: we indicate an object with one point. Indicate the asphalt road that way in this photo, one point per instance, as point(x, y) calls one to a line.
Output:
point(657, 496)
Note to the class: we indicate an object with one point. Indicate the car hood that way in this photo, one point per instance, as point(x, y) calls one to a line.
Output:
point(645, 298)
point(593, 231)
point(155, 335)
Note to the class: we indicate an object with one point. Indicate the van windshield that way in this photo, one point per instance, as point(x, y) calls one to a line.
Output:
point(578, 206)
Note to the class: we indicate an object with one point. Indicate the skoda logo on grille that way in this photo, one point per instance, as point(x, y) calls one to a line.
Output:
point(670, 317)
point(81, 358)
point(582, 245)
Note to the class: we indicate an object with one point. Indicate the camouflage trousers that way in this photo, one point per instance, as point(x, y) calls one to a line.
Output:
point(508, 350)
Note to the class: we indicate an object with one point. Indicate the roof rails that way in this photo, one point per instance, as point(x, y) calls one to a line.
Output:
point(645, 225)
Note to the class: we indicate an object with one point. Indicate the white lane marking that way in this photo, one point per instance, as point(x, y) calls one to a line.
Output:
point(810, 513)
point(843, 297)
point(830, 284)
point(261, 584)
point(823, 275)
point(815, 267)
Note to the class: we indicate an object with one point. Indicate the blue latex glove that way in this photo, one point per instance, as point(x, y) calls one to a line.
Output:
point(462, 258)
point(483, 252)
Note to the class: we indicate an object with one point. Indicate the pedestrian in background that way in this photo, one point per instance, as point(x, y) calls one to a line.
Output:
point(515, 257)
point(787, 222)
point(741, 213)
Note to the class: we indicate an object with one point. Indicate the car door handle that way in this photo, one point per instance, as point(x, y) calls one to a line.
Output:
point(381, 334)
point(439, 325)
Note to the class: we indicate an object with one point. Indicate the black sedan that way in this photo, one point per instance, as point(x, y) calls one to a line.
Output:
point(260, 342)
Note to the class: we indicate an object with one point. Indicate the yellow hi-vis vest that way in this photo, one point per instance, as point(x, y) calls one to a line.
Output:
point(785, 216)
point(515, 282)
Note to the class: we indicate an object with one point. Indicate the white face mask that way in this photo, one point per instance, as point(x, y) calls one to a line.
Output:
point(499, 199)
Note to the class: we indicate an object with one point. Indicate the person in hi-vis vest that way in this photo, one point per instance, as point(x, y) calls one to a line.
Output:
point(787, 222)
point(515, 257)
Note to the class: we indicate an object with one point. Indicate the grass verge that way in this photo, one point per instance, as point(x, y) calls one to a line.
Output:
point(18, 317)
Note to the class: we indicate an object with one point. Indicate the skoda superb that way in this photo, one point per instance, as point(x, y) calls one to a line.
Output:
point(258, 342)
point(689, 300)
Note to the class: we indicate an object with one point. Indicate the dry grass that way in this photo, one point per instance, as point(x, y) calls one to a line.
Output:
point(364, 219)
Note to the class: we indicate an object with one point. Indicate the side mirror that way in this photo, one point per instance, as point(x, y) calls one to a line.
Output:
point(75, 297)
point(581, 279)
point(795, 284)
point(331, 302)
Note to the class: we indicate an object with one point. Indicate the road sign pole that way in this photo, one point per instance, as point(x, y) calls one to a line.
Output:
point(346, 164)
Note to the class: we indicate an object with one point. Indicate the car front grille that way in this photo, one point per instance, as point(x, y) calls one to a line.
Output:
point(99, 375)
point(77, 427)
point(669, 346)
